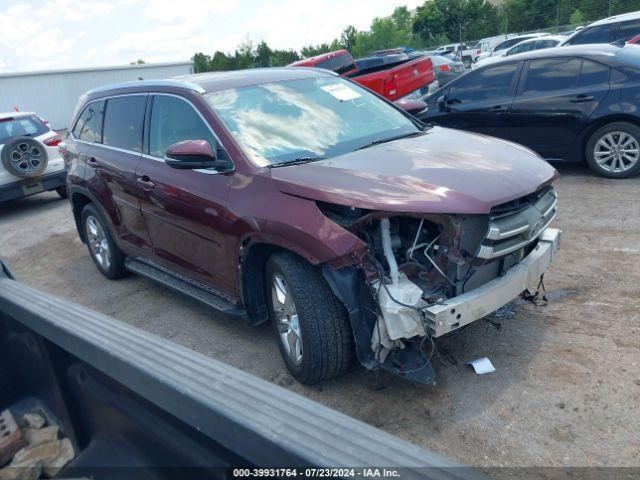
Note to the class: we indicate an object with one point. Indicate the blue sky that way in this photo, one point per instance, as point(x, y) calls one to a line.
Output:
point(45, 34)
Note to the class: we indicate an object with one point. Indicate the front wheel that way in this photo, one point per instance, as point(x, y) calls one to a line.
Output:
point(613, 151)
point(103, 250)
point(310, 323)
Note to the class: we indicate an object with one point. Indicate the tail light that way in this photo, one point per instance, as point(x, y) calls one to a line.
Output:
point(53, 141)
point(390, 87)
point(445, 68)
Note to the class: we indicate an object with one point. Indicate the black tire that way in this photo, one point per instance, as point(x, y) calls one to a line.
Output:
point(115, 268)
point(615, 129)
point(62, 192)
point(324, 327)
point(24, 157)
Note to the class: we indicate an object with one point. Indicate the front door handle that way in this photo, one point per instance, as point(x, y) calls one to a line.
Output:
point(498, 108)
point(582, 98)
point(92, 162)
point(145, 183)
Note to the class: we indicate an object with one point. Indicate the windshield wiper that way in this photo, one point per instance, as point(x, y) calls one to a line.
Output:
point(390, 139)
point(297, 161)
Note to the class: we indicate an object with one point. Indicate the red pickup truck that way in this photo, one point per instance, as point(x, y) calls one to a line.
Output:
point(394, 76)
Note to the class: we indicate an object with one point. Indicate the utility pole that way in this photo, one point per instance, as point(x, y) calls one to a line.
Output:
point(558, 16)
point(506, 20)
point(610, 8)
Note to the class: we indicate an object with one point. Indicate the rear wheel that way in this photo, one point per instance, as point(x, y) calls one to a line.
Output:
point(104, 252)
point(613, 151)
point(310, 323)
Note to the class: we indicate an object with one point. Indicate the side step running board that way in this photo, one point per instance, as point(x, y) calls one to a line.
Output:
point(184, 285)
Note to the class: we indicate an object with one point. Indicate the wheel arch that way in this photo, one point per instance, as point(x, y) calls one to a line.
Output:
point(590, 129)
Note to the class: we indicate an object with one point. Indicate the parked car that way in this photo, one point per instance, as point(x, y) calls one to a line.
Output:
point(634, 40)
point(619, 28)
point(530, 45)
point(397, 77)
point(467, 54)
point(566, 103)
point(500, 48)
point(487, 44)
point(30, 160)
point(446, 69)
point(298, 197)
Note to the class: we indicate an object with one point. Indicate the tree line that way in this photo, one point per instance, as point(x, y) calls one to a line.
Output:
point(435, 22)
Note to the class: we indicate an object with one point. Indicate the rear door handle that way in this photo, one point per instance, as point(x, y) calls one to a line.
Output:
point(582, 98)
point(145, 183)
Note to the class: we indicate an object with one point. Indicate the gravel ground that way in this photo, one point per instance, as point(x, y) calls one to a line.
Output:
point(567, 387)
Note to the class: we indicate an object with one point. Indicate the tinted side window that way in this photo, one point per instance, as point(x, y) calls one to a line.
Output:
point(88, 128)
point(597, 34)
point(551, 74)
point(175, 120)
point(627, 30)
point(123, 119)
point(492, 82)
point(593, 73)
point(338, 64)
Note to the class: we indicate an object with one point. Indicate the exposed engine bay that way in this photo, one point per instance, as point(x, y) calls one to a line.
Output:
point(416, 262)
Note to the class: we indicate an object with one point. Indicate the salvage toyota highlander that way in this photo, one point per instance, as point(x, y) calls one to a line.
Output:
point(295, 196)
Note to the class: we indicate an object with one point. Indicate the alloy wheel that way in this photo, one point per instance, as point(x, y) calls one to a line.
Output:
point(26, 158)
point(98, 242)
point(616, 152)
point(286, 318)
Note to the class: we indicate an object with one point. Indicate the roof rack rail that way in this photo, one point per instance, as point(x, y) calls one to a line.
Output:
point(149, 83)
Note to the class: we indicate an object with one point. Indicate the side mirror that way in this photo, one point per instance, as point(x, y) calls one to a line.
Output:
point(411, 106)
point(193, 154)
point(442, 102)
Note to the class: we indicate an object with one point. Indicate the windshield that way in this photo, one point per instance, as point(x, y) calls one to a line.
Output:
point(23, 126)
point(277, 123)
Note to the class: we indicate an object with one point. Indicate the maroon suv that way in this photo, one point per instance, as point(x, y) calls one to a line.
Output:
point(296, 196)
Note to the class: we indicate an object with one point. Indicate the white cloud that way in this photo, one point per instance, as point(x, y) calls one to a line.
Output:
point(74, 33)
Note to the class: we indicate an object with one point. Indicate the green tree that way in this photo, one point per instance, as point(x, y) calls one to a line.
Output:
point(281, 58)
point(220, 61)
point(576, 17)
point(201, 62)
point(348, 37)
point(263, 55)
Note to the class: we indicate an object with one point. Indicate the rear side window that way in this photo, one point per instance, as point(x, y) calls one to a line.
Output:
point(492, 82)
point(597, 34)
point(560, 74)
point(175, 120)
point(88, 128)
point(551, 74)
point(25, 126)
point(593, 73)
point(123, 120)
point(627, 30)
point(338, 64)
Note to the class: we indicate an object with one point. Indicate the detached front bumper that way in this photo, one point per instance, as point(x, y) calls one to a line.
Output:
point(468, 307)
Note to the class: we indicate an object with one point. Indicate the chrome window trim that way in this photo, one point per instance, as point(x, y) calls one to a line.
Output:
point(142, 154)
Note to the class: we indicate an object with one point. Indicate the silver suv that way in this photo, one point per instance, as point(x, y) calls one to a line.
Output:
point(29, 159)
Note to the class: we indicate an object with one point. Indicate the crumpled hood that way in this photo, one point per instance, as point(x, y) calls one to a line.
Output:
point(442, 171)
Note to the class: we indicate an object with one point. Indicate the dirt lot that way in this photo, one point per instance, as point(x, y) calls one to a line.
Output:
point(567, 386)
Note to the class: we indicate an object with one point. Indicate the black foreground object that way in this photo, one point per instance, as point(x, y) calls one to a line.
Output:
point(137, 406)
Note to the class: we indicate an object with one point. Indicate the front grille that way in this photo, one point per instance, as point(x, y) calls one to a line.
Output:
point(514, 225)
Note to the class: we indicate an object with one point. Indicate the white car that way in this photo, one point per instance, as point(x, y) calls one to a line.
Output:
point(29, 159)
point(619, 28)
point(502, 47)
point(537, 43)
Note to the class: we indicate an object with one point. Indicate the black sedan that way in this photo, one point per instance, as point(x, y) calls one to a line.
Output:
point(567, 103)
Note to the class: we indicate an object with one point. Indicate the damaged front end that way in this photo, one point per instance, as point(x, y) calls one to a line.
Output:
point(425, 276)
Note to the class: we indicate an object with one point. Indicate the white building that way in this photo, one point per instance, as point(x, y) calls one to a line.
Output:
point(53, 93)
